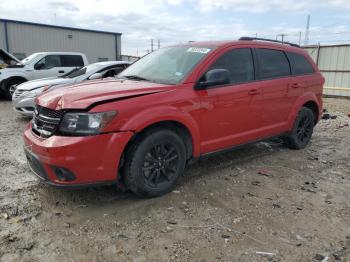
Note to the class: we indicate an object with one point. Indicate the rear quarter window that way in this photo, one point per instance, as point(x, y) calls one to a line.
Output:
point(272, 63)
point(300, 65)
point(72, 61)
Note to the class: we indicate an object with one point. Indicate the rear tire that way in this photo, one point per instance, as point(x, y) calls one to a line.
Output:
point(154, 163)
point(302, 130)
point(10, 87)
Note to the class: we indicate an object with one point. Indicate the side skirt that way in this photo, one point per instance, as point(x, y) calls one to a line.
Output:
point(236, 147)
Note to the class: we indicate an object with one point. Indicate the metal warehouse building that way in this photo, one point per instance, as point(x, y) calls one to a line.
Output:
point(334, 63)
point(24, 38)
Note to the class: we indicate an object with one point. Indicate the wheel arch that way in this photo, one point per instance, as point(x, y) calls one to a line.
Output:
point(4, 82)
point(314, 107)
point(308, 100)
point(179, 128)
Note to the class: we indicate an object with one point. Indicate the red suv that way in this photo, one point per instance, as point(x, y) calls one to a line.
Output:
point(172, 106)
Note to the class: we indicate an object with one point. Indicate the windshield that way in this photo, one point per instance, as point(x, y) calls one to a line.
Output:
point(167, 65)
point(29, 59)
point(86, 70)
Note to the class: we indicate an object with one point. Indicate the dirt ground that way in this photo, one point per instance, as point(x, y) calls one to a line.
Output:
point(293, 205)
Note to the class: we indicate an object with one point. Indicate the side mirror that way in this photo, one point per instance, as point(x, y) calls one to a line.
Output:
point(214, 77)
point(95, 76)
point(39, 66)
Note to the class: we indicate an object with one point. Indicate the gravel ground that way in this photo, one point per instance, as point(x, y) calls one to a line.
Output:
point(260, 203)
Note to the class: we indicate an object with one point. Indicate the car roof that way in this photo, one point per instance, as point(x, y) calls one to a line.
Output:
point(111, 63)
point(256, 43)
point(59, 53)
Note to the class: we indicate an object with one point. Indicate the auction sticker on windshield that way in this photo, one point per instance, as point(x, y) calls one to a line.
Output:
point(198, 50)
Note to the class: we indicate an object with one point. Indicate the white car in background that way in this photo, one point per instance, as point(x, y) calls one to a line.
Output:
point(25, 94)
point(38, 65)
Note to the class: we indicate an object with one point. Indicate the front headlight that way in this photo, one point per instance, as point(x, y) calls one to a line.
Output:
point(33, 92)
point(82, 123)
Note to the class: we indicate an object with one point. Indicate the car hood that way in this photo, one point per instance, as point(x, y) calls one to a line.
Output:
point(82, 96)
point(30, 85)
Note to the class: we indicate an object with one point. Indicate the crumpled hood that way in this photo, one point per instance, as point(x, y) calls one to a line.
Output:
point(83, 95)
point(30, 85)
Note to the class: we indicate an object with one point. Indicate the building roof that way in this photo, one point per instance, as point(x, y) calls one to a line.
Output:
point(58, 27)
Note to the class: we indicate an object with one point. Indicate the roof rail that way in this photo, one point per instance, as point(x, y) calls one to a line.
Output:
point(247, 38)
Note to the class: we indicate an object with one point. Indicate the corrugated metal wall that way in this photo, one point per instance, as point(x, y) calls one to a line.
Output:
point(2, 35)
point(334, 64)
point(27, 39)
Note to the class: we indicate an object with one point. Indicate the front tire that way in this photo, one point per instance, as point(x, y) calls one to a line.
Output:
point(10, 88)
point(302, 130)
point(154, 163)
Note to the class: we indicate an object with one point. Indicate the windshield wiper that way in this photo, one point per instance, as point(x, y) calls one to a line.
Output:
point(135, 77)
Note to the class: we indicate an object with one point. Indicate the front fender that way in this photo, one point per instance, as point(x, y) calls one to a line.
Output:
point(302, 100)
point(7, 73)
point(148, 117)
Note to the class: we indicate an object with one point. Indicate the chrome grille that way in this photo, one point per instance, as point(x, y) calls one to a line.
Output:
point(46, 121)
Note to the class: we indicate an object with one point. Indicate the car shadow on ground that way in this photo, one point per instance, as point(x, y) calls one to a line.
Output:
point(100, 197)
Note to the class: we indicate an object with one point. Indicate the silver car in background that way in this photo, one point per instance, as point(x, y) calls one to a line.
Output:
point(25, 94)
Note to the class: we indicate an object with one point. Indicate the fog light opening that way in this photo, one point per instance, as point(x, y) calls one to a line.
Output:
point(63, 174)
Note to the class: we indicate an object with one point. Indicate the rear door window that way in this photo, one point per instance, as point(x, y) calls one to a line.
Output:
point(72, 61)
point(239, 63)
point(272, 63)
point(300, 65)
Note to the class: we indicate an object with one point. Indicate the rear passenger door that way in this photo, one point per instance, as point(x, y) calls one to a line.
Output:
point(304, 78)
point(277, 97)
point(231, 113)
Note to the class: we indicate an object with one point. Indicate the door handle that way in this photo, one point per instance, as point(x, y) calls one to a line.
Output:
point(295, 85)
point(61, 71)
point(254, 92)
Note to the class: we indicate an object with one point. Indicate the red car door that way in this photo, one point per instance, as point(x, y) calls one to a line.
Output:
point(278, 94)
point(231, 113)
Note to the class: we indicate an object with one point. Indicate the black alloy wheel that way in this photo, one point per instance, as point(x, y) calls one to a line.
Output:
point(160, 164)
point(154, 163)
point(302, 130)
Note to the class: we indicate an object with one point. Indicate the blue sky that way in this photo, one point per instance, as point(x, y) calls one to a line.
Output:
point(175, 21)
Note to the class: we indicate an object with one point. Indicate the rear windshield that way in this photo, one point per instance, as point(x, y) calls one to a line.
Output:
point(82, 71)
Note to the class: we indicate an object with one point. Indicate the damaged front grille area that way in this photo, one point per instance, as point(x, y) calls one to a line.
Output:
point(45, 121)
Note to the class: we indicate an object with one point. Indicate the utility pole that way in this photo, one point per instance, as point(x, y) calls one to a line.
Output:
point(282, 37)
point(158, 43)
point(152, 45)
point(299, 38)
point(307, 31)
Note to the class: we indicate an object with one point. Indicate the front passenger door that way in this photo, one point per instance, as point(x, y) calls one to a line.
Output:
point(231, 113)
point(48, 66)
